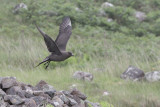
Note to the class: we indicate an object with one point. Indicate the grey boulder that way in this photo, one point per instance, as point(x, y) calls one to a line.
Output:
point(140, 15)
point(83, 76)
point(106, 5)
point(19, 7)
point(8, 82)
point(14, 99)
point(152, 76)
point(133, 73)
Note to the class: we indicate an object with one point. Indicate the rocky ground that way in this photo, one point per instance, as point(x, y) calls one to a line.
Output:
point(17, 94)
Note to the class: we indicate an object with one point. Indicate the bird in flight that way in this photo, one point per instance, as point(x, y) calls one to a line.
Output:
point(57, 48)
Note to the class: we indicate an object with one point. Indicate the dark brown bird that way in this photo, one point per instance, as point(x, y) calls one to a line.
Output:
point(57, 48)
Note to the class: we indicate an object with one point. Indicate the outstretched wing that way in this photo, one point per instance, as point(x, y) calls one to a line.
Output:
point(51, 45)
point(65, 32)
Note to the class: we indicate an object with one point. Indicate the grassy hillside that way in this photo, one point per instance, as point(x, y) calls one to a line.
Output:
point(103, 48)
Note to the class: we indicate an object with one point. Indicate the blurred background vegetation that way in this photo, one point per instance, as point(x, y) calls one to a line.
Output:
point(105, 41)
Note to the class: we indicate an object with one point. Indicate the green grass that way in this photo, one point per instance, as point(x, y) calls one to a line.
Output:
point(104, 53)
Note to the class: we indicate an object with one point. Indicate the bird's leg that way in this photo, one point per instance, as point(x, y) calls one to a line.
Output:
point(45, 60)
point(47, 64)
point(40, 63)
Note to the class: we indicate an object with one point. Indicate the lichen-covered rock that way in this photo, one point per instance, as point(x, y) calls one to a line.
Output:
point(16, 90)
point(30, 103)
point(83, 76)
point(9, 82)
point(39, 100)
point(103, 7)
point(152, 76)
point(42, 85)
point(93, 104)
point(72, 102)
point(2, 93)
point(14, 99)
point(132, 73)
point(57, 102)
point(106, 93)
point(140, 15)
point(78, 93)
point(106, 5)
point(20, 6)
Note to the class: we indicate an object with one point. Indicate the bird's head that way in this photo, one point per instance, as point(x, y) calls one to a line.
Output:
point(70, 54)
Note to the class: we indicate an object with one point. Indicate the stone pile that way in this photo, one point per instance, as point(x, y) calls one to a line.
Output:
point(18, 94)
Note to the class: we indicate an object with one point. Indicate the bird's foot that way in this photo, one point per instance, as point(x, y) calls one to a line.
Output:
point(47, 64)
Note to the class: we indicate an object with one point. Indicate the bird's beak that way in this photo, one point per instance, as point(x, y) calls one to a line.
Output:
point(72, 55)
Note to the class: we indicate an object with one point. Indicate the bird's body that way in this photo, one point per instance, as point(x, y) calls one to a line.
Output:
point(54, 57)
point(58, 47)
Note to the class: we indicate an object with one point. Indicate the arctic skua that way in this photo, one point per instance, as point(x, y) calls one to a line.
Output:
point(57, 48)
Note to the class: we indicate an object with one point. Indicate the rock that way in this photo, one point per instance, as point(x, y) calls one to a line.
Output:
point(14, 99)
point(47, 89)
point(50, 93)
point(132, 73)
point(9, 82)
point(3, 104)
point(82, 104)
point(41, 93)
point(77, 99)
point(106, 93)
point(42, 85)
point(83, 76)
point(37, 93)
point(93, 104)
point(67, 93)
point(26, 87)
point(20, 6)
point(152, 76)
point(72, 102)
point(109, 20)
point(65, 105)
point(140, 15)
point(46, 96)
point(39, 100)
point(16, 90)
point(30, 103)
point(2, 93)
point(106, 5)
point(63, 97)
point(103, 7)
point(57, 102)
point(1, 78)
point(78, 93)
point(29, 93)
point(78, 9)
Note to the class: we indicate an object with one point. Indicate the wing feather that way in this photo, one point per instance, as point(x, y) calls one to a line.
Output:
point(51, 45)
point(65, 32)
